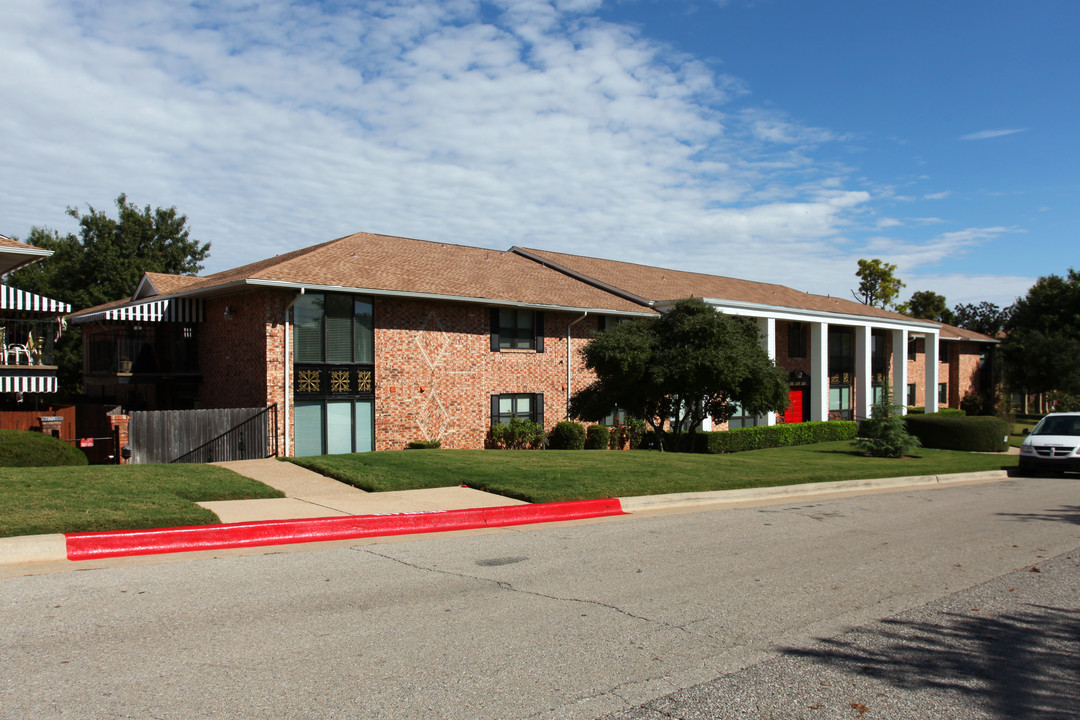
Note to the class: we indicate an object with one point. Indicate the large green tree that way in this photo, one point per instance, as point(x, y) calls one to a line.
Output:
point(928, 305)
point(105, 262)
point(878, 284)
point(1042, 341)
point(689, 363)
point(986, 317)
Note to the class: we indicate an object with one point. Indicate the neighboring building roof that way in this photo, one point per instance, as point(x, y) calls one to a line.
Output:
point(951, 332)
point(644, 281)
point(14, 254)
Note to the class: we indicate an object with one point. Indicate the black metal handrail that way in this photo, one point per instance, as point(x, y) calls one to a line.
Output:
point(253, 439)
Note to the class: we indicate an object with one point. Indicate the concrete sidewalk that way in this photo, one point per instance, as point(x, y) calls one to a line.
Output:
point(310, 495)
point(314, 505)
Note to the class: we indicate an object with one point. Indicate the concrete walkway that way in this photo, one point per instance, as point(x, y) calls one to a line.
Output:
point(310, 495)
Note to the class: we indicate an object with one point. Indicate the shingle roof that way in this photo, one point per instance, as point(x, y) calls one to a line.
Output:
point(372, 262)
point(664, 284)
point(396, 265)
point(951, 332)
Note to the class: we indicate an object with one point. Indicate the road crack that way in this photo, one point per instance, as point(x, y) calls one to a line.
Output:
point(504, 585)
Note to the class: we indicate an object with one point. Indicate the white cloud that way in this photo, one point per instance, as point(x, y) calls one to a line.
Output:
point(987, 134)
point(275, 125)
point(937, 195)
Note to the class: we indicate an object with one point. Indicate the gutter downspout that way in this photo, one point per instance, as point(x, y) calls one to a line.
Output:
point(568, 327)
point(288, 364)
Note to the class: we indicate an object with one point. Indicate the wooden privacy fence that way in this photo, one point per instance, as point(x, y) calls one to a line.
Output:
point(203, 435)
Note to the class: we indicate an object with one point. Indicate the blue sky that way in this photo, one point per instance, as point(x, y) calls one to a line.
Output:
point(773, 140)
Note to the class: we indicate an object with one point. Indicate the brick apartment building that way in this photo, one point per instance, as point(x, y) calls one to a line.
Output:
point(369, 342)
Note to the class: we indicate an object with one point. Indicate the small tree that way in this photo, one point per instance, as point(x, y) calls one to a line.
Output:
point(884, 434)
point(878, 284)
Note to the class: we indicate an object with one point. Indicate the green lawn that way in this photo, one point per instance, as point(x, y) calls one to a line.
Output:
point(116, 497)
point(554, 475)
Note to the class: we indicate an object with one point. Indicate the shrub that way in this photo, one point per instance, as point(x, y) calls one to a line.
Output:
point(424, 444)
point(885, 434)
point(765, 436)
point(517, 435)
point(627, 434)
point(951, 432)
point(24, 448)
point(597, 437)
point(567, 435)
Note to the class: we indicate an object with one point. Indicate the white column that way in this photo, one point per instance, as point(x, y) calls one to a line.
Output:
point(767, 328)
point(819, 371)
point(863, 376)
point(931, 371)
point(899, 369)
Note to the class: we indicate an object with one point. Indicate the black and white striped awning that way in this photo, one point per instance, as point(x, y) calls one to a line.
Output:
point(15, 299)
point(27, 383)
point(188, 310)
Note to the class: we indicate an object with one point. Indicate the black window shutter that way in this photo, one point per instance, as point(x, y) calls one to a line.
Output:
point(539, 400)
point(494, 330)
point(539, 329)
point(494, 409)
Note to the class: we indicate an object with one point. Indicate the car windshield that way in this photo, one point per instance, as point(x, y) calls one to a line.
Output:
point(1058, 426)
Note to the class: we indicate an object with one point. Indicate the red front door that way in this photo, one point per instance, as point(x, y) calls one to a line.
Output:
point(794, 413)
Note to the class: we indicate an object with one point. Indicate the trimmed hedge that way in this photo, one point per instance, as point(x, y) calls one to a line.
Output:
point(764, 436)
point(952, 432)
point(567, 435)
point(23, 448)
point(424, 444)
point(597, 437)
point(941, 411)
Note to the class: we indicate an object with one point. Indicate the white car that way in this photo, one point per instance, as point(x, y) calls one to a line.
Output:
point(1054, 444)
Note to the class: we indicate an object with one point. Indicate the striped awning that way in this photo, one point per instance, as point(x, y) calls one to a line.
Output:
point(15, 299)
point(28, 383)
point(189, 310)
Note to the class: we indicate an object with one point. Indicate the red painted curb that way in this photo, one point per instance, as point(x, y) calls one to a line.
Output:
point(120, 543)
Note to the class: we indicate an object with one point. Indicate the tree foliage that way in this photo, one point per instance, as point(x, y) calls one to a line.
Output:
point(689, 363)
point(986, 317)
point(878, 284)
point(109, 256)
point(885, 434)
point(105, 262)
point(928, 305)
point(1042, 340)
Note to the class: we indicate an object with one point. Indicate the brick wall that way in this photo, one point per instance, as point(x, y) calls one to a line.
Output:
point(435, 372)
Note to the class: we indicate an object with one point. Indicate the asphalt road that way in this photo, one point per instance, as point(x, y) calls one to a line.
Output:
point(888, 605)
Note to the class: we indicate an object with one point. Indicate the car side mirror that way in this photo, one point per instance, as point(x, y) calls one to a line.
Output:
point(1027, 431)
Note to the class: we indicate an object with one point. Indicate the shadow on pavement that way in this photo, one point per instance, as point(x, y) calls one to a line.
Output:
point(1065, 514)
point(1019, 665)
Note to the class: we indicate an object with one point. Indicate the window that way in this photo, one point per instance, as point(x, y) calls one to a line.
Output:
point(943, 351)
point(877, 393)
point(606, 322)
point(334, 327)
point(517, 329)
point(332, 427)
point(796, 343)
point(841, 349)
point(943, 393)
point(911, 394)
point(840, 403)
point(878, 360)
point(524, 406)
point(741, 419)
point(912, 348)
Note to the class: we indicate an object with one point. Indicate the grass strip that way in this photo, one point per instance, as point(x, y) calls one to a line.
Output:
point(116, 497)
point(558, 475)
